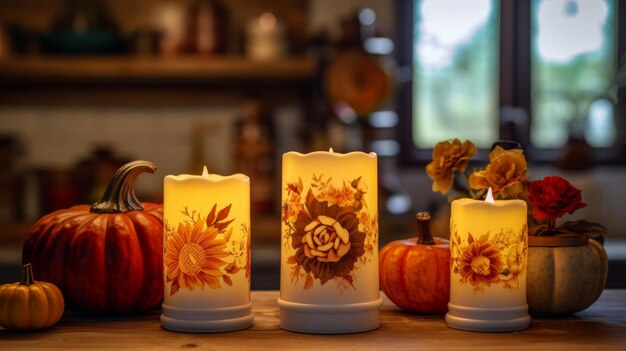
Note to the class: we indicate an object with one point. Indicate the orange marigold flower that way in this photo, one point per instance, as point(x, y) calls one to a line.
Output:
point(505, 173)
point(449, 156)
point(292, 207)
point(193, 257)
point(481, 263)
point(343, 196)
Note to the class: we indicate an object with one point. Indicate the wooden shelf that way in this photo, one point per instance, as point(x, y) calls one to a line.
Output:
point(128, 69)
point(141, 81)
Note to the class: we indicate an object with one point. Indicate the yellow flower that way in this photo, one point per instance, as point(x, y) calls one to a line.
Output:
point(515, 264)
point(292, 207)
point(193, 257)
point(481, 263)
point(516, 259)
point(505, 173)
point(449, 156)
point(343, 196)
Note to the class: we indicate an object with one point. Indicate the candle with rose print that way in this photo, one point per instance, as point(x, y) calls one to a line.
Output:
point(206, 258)
point(329, 256)
point(488, 243)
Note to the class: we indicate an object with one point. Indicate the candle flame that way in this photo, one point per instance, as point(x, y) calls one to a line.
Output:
point(489, 197)
point(330, 149)
point(205, 172)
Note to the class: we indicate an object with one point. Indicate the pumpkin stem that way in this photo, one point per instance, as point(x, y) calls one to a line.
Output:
point(119, 196)
point(27, 274)
point(424, 236)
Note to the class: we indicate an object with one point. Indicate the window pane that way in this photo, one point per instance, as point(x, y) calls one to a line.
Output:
point(573, 64)
point(455, 78)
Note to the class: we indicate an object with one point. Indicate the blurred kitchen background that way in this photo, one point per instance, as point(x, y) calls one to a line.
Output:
point(87, 85)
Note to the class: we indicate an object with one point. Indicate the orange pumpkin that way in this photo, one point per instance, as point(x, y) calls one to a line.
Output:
point(415, 272)
point(107, 258)
point(30, 304)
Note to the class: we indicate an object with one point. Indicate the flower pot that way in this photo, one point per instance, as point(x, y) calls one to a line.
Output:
point(566, 273)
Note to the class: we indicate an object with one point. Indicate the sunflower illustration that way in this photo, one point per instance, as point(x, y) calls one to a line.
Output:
point(480, 262)
point(193, 256)
point(327, 239)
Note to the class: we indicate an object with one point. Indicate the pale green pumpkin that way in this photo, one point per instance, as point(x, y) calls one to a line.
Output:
point(565, 279)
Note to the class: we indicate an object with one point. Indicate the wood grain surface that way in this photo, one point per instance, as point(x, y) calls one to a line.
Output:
point(601, 327)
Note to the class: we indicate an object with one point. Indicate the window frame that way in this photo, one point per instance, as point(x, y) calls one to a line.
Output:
point(514, 83)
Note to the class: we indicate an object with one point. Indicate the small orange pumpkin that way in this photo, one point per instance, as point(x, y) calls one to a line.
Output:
point(415, 272)
point(29, 304)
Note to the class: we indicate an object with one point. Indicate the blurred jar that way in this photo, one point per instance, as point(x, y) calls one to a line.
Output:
point(12, 170)
point(168, 20)
point(84, 27)
point(206, 27)
point(266, 38)
point(254, 154)
point(5, 43)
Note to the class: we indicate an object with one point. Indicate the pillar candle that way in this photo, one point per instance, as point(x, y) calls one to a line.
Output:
point(329, 256)
point(488, 242)
point(206, 258)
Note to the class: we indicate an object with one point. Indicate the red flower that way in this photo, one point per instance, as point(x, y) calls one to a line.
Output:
point(552, 197)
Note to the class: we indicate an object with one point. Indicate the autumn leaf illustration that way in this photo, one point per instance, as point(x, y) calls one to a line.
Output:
point(308, 283)
point(227, 280)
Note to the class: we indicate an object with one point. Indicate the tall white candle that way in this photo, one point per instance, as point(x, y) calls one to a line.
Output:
point(489, 241)
point(206, 253)
point(329, 257)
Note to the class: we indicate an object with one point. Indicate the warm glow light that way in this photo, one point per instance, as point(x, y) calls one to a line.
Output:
point(331, 150)
point(329, 260)
point(206, 258)
point(489, 197)
point(488, 243)
point(205, 173)
point(267, 20)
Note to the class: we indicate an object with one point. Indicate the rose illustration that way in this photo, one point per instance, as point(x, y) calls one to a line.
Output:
point(327, 239)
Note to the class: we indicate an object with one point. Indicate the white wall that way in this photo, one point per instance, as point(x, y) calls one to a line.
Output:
point(58, 137)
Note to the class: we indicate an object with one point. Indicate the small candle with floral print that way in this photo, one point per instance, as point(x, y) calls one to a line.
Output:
point(329, 254)
point(206, 253)
point(488, 243)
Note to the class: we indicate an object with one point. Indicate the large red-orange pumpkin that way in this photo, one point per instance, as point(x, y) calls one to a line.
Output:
point(105, 258)
point(415, 272)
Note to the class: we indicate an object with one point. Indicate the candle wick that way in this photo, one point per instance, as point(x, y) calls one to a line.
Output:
point(489, 197)
point(205, 172)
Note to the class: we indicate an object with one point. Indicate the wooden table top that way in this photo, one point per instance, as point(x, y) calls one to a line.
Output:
point(602, 326)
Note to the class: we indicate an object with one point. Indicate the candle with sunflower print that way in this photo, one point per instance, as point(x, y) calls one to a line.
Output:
point(488, 243)
point(329, 255)
point(206, 253)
